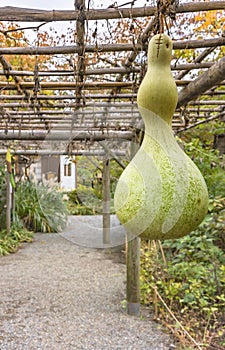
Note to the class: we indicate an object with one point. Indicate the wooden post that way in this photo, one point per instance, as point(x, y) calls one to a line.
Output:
point(106, 200)
point(133, 276)
point(8, 203)
point(133, 263)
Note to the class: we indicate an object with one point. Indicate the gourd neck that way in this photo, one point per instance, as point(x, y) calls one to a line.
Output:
point(158, 92)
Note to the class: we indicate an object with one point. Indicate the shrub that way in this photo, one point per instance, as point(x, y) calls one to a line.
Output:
point(189, 274)
point(85, 201)
point(9, 243)
point(41, 208)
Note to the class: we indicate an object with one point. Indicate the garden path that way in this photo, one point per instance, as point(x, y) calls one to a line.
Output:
point(57, 295)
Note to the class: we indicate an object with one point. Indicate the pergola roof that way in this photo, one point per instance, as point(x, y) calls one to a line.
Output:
point(96, 100)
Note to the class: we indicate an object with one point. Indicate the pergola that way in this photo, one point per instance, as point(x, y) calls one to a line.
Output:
point(90, 107)
point(89, 103)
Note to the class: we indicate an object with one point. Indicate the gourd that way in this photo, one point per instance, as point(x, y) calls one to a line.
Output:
point(161, 194)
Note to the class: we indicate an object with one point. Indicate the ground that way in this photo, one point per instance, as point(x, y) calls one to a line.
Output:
point(56, 294)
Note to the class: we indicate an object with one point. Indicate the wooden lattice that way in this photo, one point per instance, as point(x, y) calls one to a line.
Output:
point(93, 97)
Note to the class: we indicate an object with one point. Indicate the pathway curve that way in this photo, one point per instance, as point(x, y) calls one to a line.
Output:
point(56, 295)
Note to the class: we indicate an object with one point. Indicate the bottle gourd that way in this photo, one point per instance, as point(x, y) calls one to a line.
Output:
point(161, 194)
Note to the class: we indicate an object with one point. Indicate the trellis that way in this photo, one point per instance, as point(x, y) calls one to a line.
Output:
point(86, 109)
point(23, 109)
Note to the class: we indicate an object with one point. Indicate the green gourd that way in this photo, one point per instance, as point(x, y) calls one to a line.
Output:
point(161, 194)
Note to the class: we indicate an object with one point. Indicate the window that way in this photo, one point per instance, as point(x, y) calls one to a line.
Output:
point(67, 169)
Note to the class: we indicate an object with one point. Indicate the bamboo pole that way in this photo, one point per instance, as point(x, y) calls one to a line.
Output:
point(106, 200)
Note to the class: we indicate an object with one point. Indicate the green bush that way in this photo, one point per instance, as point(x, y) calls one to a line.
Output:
point(211, 165)
point(86, 201)
point(9, 243)
point(190, 277)
point(41, 208)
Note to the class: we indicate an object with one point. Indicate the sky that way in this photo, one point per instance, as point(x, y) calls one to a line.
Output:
point(60, 27)
point(41, 4)
point(68, 4)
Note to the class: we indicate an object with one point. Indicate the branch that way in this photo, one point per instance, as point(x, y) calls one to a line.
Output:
point(213, 76)
point(220, 115)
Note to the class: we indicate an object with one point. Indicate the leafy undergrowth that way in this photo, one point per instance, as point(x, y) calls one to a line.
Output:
point(184, 281)
point(85, 201)
point(40, 207)
point(9, 243)
point(82, 202)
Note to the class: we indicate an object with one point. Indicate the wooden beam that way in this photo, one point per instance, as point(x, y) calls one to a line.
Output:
point(95, 106)
point(113, 108)
point(69, 97)
point(50, 152)
point(71, 49)
point(44, 113)
point(112, 154)
point(63, 135)
point(123, 96)
point(17, 14)
point(67, 85)
point(213, 76)
point(70, 85)
point(102, 71)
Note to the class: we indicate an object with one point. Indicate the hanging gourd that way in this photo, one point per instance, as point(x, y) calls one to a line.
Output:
point(161, 194)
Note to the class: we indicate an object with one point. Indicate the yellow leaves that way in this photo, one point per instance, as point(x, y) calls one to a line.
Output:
point(211, 22)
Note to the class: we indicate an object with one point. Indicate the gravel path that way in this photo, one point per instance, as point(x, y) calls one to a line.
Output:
point(56, 295)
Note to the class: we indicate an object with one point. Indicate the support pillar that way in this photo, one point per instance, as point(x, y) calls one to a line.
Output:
point(133, 276)
point(8, 203)
point(106, 200)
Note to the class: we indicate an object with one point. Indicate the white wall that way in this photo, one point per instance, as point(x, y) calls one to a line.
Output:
point(67, 174)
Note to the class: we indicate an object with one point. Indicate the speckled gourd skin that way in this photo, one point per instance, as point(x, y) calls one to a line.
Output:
point(161, 194)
